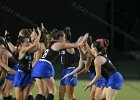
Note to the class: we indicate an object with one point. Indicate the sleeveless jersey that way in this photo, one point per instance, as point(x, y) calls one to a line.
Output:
point(12, 62)
point(50, 54)
point(67, 59)
point(107, 69)
point(25, 64)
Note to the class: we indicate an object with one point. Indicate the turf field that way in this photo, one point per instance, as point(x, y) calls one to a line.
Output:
point(130, 91)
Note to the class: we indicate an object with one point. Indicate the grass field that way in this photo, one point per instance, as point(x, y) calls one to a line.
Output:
point(130, 91)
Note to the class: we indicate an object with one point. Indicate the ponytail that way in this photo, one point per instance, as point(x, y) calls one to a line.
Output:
point(101, 45)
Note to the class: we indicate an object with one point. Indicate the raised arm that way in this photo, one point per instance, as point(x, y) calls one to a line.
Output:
point(79, 66)
point(9, 44)
point(36, 42)
point(72, 45)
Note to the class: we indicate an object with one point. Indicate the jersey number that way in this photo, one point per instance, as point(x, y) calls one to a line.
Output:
point(45, 53)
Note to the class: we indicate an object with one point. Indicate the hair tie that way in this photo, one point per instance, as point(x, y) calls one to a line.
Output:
point(101, 42)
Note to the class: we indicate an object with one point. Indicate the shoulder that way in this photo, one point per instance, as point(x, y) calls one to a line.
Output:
point(56, 43)
point(56, 46)
point(100, 59)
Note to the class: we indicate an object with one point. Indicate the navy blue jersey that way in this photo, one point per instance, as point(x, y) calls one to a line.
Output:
point(50, 54)
point(25, 64)
point(67, 59)
point(12, 62)
point(107, 69)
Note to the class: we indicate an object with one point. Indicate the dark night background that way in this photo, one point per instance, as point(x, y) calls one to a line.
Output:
point(60, 13)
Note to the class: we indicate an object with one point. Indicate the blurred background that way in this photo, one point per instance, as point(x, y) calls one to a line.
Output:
point(124, 50)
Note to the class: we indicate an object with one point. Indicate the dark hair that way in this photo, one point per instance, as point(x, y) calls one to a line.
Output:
point(101, 45)
point(106, 43)
point(47, 40)
point(2, 42)
point(26, 32)
point(67, 32)
point(89, 40)
point(56, 34)
point(21, 40)
point(43, 35)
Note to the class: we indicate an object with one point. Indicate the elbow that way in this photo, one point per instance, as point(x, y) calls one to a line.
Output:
point(98, 76)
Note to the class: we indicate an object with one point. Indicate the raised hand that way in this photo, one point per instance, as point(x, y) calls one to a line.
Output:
point(39, 31)
point(79, 39)
point(82, 39)
point(6, 32)
point(7, 36)
point(42, 26)
point(85, 37)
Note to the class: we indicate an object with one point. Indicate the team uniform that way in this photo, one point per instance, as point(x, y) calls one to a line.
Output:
point(43, 67)
point(67, 60)
point(113, 77)
point(23, 75)
point(102, 81)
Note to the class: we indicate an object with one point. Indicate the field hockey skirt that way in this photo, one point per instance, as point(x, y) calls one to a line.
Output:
point(43, 69)
point(71, 80)
point(22, 79)
point(115, 81)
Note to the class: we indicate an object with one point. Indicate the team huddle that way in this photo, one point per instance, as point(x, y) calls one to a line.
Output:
point(31, 61)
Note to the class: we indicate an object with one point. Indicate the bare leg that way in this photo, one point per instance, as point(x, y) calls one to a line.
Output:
point(98, 93)
point(104, 93)
point(18, 92)
point(41, 86)
point(62, 91)
point(92, 92)
point(26, 92)
point(69, 91)
point(51, 87)
point(31, 88)
point(110, 93)
point(8, 88)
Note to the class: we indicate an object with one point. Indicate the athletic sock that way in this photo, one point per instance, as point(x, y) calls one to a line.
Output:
point(14, 98)
point(39, 97)
point(44, 98)
point(30, 97)
point(5, 98)
point(10, 97)
point(50, 96)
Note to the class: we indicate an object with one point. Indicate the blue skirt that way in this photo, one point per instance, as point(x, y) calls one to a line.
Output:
point(11, 76)
point(43, 69)
point(71, 80)
point(22, 79)
point(101, 82)
point(115, 81)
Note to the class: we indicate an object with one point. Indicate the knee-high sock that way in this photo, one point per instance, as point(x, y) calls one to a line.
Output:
point(50, 96)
